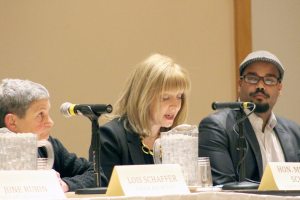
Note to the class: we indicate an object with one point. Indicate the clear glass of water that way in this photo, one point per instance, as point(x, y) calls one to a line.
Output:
point(204, 177)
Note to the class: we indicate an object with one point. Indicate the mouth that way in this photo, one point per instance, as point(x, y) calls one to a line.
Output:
point(259, 95)
point(169, 117)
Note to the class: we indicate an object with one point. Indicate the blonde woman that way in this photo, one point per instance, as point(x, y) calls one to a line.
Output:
point(154, 99)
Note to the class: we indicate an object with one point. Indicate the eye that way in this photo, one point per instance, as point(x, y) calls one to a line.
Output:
point(165, 97)
point(41, 116)
point(180, 96)
point(270, 79)
point(252, 78)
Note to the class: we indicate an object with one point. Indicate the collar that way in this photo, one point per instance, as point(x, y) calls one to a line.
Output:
point(258, 122)
point(6, 131)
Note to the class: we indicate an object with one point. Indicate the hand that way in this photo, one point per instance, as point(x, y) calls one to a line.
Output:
point(63, 184)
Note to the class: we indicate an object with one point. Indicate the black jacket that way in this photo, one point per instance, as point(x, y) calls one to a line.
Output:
point(76, 172)
point(218, 141)
point(118, 147)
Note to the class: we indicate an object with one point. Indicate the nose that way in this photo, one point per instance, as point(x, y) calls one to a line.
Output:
point(175, 103)
point(49, 122)
point(260, 84)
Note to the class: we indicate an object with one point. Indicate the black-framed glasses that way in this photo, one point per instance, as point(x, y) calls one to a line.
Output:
point(254, 79)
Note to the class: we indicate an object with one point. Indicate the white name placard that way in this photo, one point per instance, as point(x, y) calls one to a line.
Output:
point(30, 184)
point(281, 176)
point(132, 180)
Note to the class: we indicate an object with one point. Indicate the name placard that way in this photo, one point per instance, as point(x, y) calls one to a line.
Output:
point(30, 184)
point(281, 176)
point(132, 180)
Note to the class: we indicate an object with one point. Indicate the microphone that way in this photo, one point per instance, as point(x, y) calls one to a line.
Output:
point(232, 105)
point(69, 109)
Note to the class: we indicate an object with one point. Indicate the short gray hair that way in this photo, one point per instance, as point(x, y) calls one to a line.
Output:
point(16, 96)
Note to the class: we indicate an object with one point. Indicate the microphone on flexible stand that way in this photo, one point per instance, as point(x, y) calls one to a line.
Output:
point(69, 109)
point(232, 105)
point(241, 147)
point(93, 112)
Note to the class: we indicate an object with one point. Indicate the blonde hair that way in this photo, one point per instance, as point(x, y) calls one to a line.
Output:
point(153, 76)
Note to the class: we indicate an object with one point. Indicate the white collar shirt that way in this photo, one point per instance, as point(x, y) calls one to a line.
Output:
point(269, 144)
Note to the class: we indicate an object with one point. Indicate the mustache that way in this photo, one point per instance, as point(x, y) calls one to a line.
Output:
point(259, 90)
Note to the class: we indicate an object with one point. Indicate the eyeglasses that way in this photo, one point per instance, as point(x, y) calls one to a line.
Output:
point(254, 79)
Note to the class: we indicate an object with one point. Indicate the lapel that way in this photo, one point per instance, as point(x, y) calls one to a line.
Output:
point(253, 143)
point(134, 147)
point(289, 150)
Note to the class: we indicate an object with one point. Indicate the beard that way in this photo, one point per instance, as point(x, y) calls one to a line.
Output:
point(261, 108)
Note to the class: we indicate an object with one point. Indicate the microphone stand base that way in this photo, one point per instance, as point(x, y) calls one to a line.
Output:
point(98, 190)
point(244, 185)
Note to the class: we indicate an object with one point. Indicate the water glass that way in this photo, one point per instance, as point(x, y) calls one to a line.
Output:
point(204, 177)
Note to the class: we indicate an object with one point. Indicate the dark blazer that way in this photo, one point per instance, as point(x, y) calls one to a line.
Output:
point(118, 147)
point(76, 172)
point(218, 141)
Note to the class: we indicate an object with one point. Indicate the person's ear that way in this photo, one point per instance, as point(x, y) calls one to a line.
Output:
point(280, 87)
point(240, 82)
point(239, 85)
point(10, 122)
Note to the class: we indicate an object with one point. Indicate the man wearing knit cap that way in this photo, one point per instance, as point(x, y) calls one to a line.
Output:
point(269, 138)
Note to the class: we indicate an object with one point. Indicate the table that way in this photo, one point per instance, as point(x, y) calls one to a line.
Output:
point(193, 196)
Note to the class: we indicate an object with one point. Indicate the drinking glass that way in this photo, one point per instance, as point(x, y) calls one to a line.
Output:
point(204, 177)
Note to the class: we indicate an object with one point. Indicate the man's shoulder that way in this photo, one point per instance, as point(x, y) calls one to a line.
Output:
point(287, 123)
point(219, 120)
point(221, 115)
